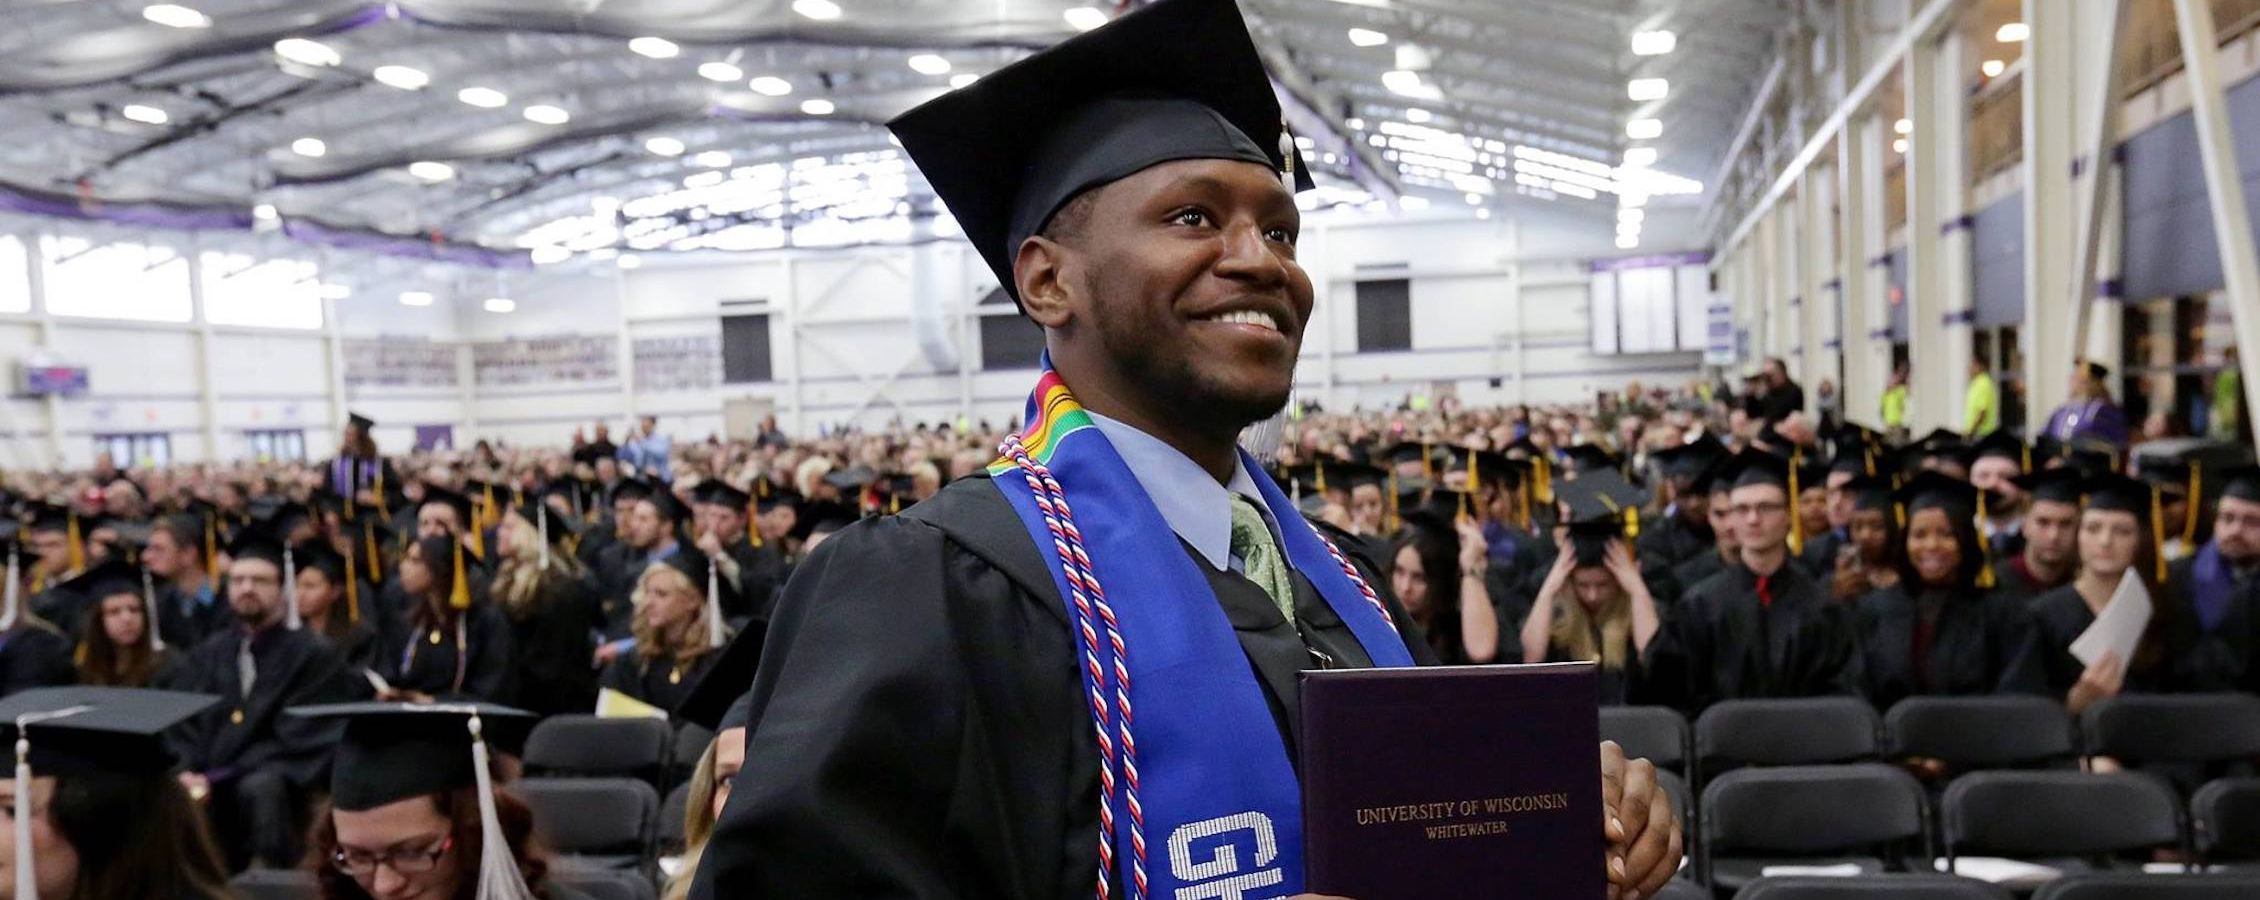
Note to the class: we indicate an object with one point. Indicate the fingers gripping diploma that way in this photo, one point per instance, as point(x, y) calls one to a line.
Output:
point(1642, 827)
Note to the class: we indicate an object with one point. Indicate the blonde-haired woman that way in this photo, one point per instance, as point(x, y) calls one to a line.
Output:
point(710, 788)
point(678, 630)
point(1594, 607)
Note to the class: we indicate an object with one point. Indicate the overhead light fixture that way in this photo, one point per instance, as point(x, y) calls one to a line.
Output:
point(718, 70)
point(1407, 83)
point(545, 114)
point(415, 298)
point(713, 159)
point(654, 47)
point(401, 77)
point(770, 86)
point(175, 15)
point(500, 304)
point(483, 97)
point(629, 261)
point(1367, 37)
point(706, 179)
point(1627, 241)
point(1647, 88)
point(431, 171)
point(1084, 18)
point(1628, 229)
point(1903, 126)
point(817, 106)
point(1412, 203)
point(929, 64)
point(1634, 216)
point(1653, 43)
point(336, 292)
point(1898, 145)
point(2012, 33)
point(310, 147)
point(549, 254)
point(145, 114)
point(306, 52)
point(962, 79)
point(1483, 212)
point(664, 146)
point(1417, 116)
point(1992, 68)
point(1639, 157)
point(1644, 129)
point(265, 212)
point(820, 10)
point(1474, 199)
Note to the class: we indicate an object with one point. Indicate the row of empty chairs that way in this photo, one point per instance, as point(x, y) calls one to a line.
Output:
point(587, 746)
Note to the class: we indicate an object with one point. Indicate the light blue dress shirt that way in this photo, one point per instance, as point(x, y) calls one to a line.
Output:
point(1197, 508)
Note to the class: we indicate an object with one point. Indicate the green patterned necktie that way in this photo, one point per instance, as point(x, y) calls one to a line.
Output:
point(1259, 555)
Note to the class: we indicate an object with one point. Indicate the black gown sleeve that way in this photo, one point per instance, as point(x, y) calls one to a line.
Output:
point(492, 667)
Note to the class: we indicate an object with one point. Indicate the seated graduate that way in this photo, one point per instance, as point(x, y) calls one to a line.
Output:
point(724, 532)
point(2181, 500)
point(255, 767)
point(416, 808)
point(1439, 571)
point(1939, 628)
point(652, 533)
point(328, 595)
point(2117, 535)
point(1761, 627)
point(546, 593)
point(1594, 606)
point(1827, 549)
point(1870, 556)
point(457, 644)
point(1812, 542)
point(678, 630)
point(1684, 531)
point(33, 652)
point(2047, 535)
point(2220, 586)
point(182, 556)
point(58, 555)
point(711, 705)
point(95, 803)
point(119, 648)
point(1996, 462)
point(1725, 547)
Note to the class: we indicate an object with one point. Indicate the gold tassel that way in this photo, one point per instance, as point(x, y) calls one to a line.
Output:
point(1391, 525)
point(1867, 455)
point(2158, 534)
point(78, 545)
point(1796, 519)
point(460, 595)
point(753, 524)
point(1427, 466)
point(369, 543)
point(1985, 546)
point(1320, 469)
point(1542, 477)
point(1899, 515)
point(352, 591)
point(1631, 523)
point(2189, 516)
point(212, 551)
point(2026, 466)
point(1522, 501)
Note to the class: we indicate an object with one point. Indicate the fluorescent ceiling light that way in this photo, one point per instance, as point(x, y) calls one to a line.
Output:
point(145, 114)
point(718, 70)
point(415, 298)
point(929, 64)
point(664, 146)
point(1992, 68)
point(654, 47)
point(1635, 216)
point(770, 86)
point(1406, 82)
point(483, 97)
point(1417, 116)
point(336, 292)
point(306, 52)
point(1898, 145)
point(549, 254)
point(817, 106)
point(401, 77)
point(1367, 37)
point(962, 79)
point(1411, 203)
point(1903, 126)
point(1647, 88)
point(629, 261)
point(1640, 157)
point(1644, 129)
point(175, 15)
point(820, 10)
point(1653, 43)
point(1625, 228)
point(265, 212)
point(309, 146)
point(713, 159)
point(2012, 33)
point(545, 114)
point(1627, 241)
point(1084, 18)
point(431, 171)
point(500, 304)
point(705, 179)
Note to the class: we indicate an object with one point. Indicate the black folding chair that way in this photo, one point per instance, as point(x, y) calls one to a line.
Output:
point(578, 745)
point(2225, 820)
point(1683, 889)
point(2004, 731)
point(671, 819)
point(604, 884)
point(1872, 887)
point(1658, 734)
point(2132, 886)
point(1789, 732)
point(689, 744)
point(275, 884)
point(599, 823)
point(2070, 821)
point(1871, 815)
point(2174, 728)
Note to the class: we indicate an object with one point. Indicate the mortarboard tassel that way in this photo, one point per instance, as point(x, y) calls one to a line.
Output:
point(2189, 516)
point(1542, 477)
point(369, 543)
point(27, 879)
point(10, 606)
point(1796, 519)
point(1318, 469)
point(212, 551)
point(290, 590)
point(713, 604)
point(2024, 466)
point(78, 546)
point(1867, 455)
point(477, 537)
point(753, 523)
point(1427, 464)
point(1391, 524)
point(541, 528)
point(1631, 524)
point(499, 878)
point(2157, 534)
point(1899, 515)
point(352, 591)
point(1286, 156)
point(149, 609)
point(1985, 547)
point(1522, 502)
point(459, 595)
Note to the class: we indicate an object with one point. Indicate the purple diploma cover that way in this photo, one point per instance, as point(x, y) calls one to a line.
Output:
point(1474, 782)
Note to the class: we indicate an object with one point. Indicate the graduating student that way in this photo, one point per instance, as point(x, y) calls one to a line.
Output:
point(358, 472)
point(1685, 529)
point(652, 534)
point(1996, 462)
point(2116, 536)
point(1439, 570)
point(416, 808)
point(1725, 547)
point(551, 605)
point(257, 766)
point(1873, 550)
point(181, 557)
point(2048, 534)
point(1828, 548)
point(679, 630)
point(119, 648)
point(1939, 628)
point(1594, 606)
point(1761, 627)
point(328, 594)
point(456, 643)
point(2220, 587)
point(753, 569)
point(58, 553)
point(1125, 185)
point(94, 800)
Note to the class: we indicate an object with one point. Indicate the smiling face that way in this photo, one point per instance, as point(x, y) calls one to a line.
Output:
point(1932, 547)
point(1175, 292)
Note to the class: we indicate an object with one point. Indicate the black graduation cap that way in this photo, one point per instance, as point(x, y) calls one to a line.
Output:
point(455, 501)
point(1485, 468)
point(1602, 506)
point(630, 489)
point(2092, 456)
point(2171, 477)
point(1941, 443)
point(1937, 490)
point(359, 421)
point(1708, 481)
point(1751, 467)
point(1177, 80)
point(2002, 444)
point(284, 516)
point(1588, 457)
point(108, 578)
point(2241, 482)
point(1812, 475)
point(256, 541)
point(2063, 484)
point(670, 507)
point(46, 516)
point(98, 730)
point(709, 583)
point(1870, 492)
point(318, 554)
point(826, 516)
point(716, 492)
point(1682, 462)
point(776, 498)
point(719, 700)
point(2119, 493)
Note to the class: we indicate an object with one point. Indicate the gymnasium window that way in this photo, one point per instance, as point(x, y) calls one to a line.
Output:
point(136, 450)
point(240, 289)
point(745, 349)
point(15, 275)
point(119, 280)
point(1384, 315)
point(277, 446)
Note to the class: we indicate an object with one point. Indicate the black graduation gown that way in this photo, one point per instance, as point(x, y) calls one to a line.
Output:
point(554, 643)
point(1673, 541)
point(185, 620)
point(240, 734)
point(1722, 644)
point(760, 571)
point(1619, 686)
point(592, 539)
point(1819, 554)
point(358, 643)
point(920, 725)
point(2043, 662)
point(664, 683)
point(63, 608)
point(616, 571)
point(34, 655)
point(2220, 658)
point(1970, 644)
point(432, 658)
point(2011, 579)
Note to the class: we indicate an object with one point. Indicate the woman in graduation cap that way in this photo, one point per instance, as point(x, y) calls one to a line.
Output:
point(415, 810)
point(455, 645)
point(1939, 628)
point(678, 629)
point(2117, 536)
point(119, 648)
point(329, 602)
point(94, 810)
point(1438, 570)
point(33, 652)
point(1870, 556)
point(551, 604)
point(1594, 605)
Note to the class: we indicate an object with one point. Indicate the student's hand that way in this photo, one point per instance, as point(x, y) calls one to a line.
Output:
point(1640, 824)
point(1618, 559)
point(1475, 552)
point(2101, 681)
point(710, 545)
point(605, 654)
point(197, 785)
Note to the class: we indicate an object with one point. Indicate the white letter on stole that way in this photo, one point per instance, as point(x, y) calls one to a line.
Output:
point(1217, 875)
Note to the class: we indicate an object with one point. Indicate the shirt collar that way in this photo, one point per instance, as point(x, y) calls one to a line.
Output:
point(1197, 508)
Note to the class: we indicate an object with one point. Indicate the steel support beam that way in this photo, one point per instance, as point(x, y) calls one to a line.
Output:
point(2051, 102)
point(2095, 166)
point(1859, 205)
point(1939, 318)
point(2232, 223)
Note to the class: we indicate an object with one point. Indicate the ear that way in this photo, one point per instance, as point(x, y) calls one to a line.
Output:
point(1040, 273)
